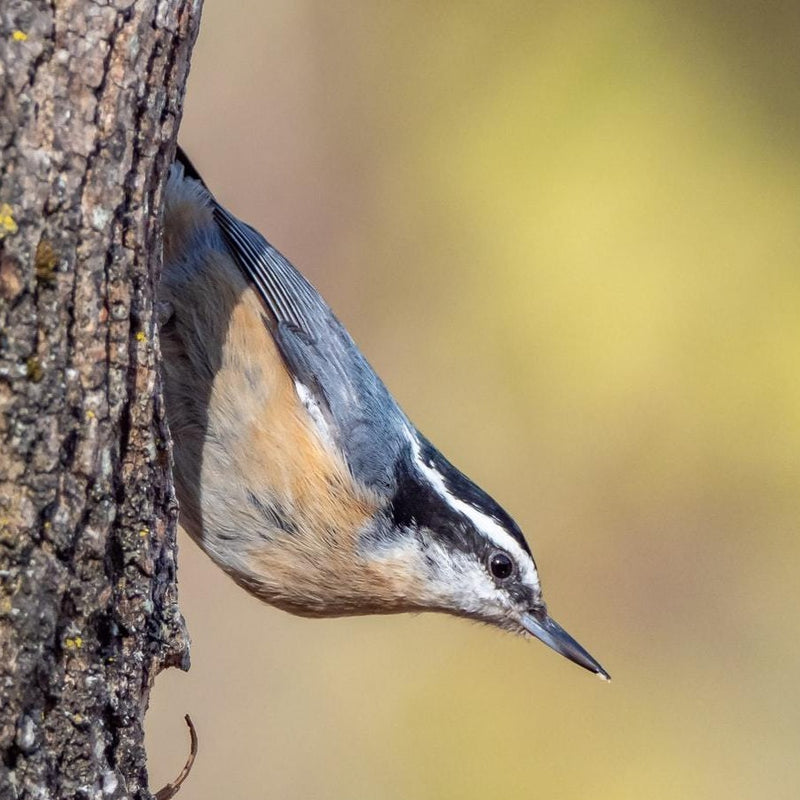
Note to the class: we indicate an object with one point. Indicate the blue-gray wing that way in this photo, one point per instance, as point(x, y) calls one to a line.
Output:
point(365, 421)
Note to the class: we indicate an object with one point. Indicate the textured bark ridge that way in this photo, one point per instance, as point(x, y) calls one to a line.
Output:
point(92, 95)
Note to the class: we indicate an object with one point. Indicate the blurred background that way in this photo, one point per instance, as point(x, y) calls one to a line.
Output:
point(568, 237)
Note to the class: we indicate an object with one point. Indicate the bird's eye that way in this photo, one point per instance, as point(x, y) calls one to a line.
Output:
point(500, 565)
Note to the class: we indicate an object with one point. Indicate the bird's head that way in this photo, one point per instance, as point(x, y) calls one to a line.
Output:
point(466, 554)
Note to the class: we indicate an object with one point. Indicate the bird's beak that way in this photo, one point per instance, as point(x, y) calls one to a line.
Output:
point(547, 630)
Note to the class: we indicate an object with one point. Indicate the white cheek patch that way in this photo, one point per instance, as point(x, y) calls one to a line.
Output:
point(462, 583)
point(487, 525)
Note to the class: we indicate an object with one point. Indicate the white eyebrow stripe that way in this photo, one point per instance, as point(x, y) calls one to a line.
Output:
point(487, 525)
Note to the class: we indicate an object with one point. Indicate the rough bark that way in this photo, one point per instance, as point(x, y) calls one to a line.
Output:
point(92, 95)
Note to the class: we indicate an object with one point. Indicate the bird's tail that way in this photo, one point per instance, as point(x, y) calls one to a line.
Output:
point(189, 169)
point(188, 207)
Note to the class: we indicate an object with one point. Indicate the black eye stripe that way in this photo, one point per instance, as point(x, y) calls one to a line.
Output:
point(458, 485)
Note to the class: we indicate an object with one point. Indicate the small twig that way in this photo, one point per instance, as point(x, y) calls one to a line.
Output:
point(171, 789)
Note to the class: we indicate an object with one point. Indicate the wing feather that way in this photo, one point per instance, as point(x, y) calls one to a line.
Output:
point(287, 294)
point(367, 425)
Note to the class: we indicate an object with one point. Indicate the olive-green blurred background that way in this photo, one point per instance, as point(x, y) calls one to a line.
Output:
point(568, 237)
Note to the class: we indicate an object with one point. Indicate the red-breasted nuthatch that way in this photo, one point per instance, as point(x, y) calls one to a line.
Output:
point(296, 470)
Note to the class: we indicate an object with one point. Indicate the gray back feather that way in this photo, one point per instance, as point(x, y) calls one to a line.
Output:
point(367, 425)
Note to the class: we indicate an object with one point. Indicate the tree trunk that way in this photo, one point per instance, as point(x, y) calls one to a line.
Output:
point(92, 99)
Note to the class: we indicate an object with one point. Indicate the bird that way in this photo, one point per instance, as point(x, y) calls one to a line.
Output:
point(295, 468)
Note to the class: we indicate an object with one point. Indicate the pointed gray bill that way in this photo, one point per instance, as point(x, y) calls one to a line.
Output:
point(547, 630)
